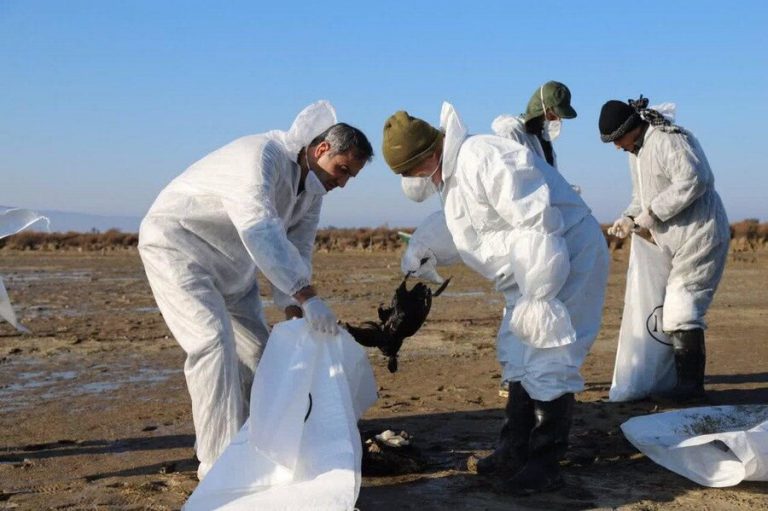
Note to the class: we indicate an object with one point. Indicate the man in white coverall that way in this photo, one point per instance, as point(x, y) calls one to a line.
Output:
point(516, 221)
point(674, 197)
point(540, 125)
point(250, 206)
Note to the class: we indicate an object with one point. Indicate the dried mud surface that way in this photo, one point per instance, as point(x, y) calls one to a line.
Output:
point(94, 411)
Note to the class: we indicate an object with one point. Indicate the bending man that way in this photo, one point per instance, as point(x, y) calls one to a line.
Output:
point(516, 221)
point(251, 206)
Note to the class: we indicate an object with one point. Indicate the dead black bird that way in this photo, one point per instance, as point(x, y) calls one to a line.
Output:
point(403, 318)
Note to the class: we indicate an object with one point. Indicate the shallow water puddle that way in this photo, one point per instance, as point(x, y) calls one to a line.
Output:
point(55, 276)
point(27, 386)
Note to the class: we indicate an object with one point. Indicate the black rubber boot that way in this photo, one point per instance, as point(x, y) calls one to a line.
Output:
point(547, 446)
point(690, 361)
point(512, 450)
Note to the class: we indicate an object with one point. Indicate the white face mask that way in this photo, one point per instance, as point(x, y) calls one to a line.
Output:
point(418, 189)
point(551, 129)
point(312, 183)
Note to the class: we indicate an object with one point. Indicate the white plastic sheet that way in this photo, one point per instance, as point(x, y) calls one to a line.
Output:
point(644, 357)
point(7, 312)
point(300, 448)
point(713, 446)
point(13, 220)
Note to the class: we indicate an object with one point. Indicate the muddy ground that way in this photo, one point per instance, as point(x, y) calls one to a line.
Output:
point(94, 411)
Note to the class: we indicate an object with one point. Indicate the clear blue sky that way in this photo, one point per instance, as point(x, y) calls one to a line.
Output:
point(104, 102)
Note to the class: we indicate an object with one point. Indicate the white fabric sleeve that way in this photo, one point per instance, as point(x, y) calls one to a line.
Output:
point(251, 207)
point(635, 206)
point(433, 234)
point(302, 236)
point(540, 261)
point(685, 170)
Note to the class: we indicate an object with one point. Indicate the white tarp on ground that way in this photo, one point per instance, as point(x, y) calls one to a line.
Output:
point(6, 310)
point(13, 220)
point(714, 446)
point(644, 358)
point(300, 448)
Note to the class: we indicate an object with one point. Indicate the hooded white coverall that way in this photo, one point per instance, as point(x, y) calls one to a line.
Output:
point(230, 215)
point(508, 126)
point(671, 175)
point(515, 220)
point(433, 232)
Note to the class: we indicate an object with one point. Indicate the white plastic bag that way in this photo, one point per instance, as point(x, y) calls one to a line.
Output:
point(644, 357)
point(713, 446)
point(300, 448)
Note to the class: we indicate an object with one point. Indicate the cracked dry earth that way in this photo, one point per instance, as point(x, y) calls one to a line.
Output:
point(94, 411)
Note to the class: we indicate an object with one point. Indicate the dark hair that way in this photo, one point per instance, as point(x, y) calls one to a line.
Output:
point(534, 125)
point(344, 138)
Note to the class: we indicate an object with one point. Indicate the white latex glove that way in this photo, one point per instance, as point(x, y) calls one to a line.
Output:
point(645, 219)
point(412, 263)
point(319, 316)
point(621, 227)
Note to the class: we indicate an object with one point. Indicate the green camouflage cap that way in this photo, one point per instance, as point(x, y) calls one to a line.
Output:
point(556, 96)
point(407, 141)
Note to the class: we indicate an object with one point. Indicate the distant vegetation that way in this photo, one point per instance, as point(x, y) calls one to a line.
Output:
point(112, 239)
point(747, 236)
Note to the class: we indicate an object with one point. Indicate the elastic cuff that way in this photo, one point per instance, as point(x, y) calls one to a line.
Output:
point(282, 300)
point(301, 284)
point(658, 217)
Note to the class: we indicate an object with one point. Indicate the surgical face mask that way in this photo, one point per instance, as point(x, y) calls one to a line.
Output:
point(312, 183)
point(418, 189)
point(551, 129)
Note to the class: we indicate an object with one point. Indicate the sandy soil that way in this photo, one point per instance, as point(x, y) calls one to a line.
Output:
point(94, 411)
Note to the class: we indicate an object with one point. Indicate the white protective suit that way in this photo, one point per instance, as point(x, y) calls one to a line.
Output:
point(671, 175)
point(513, 127)
point(515, 220)
point(231, 214)
point(433, 232)
point(505, 125)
